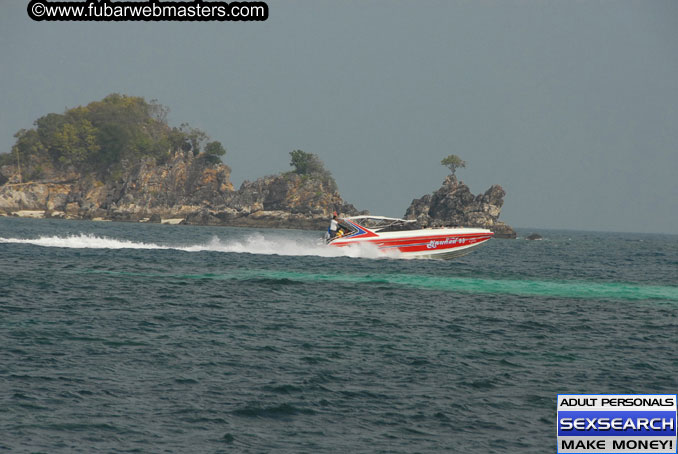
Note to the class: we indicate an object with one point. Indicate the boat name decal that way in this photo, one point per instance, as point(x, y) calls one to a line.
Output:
point(435, 243)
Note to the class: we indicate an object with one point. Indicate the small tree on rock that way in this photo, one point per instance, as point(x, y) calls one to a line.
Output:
point(213, 151)
point(309, 164)
point(215, 148)
point(453, 162)
point(306, 163)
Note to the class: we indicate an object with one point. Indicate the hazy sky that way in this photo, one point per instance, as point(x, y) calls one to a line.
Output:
point(571, 106)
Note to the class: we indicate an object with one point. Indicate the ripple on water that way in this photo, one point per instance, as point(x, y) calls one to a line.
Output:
point(126, 338)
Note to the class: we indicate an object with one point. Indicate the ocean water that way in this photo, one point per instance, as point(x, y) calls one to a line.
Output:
point(147, 338)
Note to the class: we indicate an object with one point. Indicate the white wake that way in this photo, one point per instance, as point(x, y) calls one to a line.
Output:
point(253, 244)
point(83, 241)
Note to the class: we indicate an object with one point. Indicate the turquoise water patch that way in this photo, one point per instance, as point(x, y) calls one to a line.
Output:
point(557, 289)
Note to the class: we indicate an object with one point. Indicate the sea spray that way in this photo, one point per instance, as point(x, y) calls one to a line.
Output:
point(255, 243)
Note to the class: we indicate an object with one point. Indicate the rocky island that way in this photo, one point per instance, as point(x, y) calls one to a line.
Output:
point(454, 205)
point(118, 159)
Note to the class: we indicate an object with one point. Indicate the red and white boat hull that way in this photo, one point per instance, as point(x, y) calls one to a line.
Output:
point(444, 243)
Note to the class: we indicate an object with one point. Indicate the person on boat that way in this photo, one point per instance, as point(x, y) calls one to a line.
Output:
point(334, 225)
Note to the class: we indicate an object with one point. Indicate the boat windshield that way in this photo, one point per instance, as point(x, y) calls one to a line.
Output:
point(345, 228)
point(384, 224)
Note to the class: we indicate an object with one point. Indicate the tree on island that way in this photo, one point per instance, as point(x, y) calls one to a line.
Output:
point(306, 163)
point(102, 138)
point(214, 151)
point(310, 165)
point(453, 162)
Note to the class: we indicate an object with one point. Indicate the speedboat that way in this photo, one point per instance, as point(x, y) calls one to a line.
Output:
point(404, 236)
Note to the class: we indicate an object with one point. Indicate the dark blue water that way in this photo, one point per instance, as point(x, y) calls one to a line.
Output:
point(175, 339)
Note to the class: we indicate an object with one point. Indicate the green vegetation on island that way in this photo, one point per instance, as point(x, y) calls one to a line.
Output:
point(453, 162)
point(99, 138)
point(309, 165)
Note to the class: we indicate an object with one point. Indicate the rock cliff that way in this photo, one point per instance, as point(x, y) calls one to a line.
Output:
point(196, 190)
point(187, 188)
point(288, 200)
point(454, 205)
point(176, 188)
